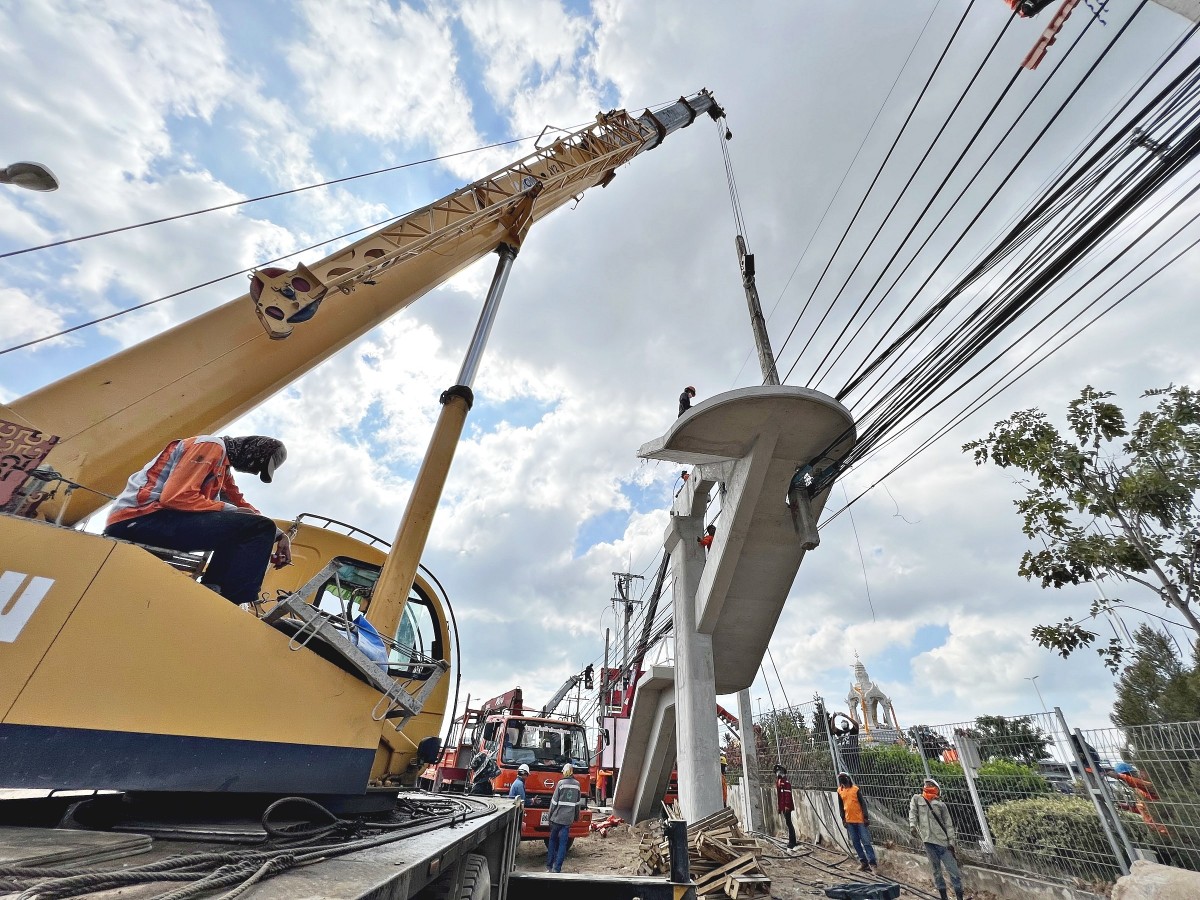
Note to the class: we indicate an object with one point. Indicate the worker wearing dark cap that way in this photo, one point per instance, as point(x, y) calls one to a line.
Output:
point(186, 499)
point(685, 399)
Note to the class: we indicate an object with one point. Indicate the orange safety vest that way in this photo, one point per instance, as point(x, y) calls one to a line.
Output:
point(192, 474)
point(853, 809)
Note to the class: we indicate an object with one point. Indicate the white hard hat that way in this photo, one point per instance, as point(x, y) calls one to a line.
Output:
point(522, 769)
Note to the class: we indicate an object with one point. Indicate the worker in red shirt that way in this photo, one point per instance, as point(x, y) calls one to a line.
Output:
point(783, 793)
point(186, 499)
point(706, 539)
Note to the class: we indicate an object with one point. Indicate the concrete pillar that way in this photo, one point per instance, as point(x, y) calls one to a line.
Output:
point(698, 746)
point(753, 802)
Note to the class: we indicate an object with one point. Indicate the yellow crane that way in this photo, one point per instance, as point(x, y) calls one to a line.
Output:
point(118, 671)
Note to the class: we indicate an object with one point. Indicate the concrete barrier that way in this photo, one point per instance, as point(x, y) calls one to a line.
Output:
point(1152, 881)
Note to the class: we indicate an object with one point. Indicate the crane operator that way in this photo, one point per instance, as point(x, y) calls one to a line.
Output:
point(186, 499)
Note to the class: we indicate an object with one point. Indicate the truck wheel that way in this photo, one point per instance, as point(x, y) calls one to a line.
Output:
point(470, 881)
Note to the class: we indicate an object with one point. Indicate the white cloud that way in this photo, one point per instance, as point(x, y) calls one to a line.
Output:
point(400, 82)
point(610, 310)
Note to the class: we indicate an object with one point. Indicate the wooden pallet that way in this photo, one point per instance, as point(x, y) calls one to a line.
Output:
point(723, 861)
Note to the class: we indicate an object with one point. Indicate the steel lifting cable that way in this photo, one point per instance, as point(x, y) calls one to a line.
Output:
point(857, 153)
point(205, 872)
point(912, 110)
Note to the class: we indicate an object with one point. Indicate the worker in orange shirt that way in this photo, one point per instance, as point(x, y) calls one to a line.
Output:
point(706, 539)
point(855, 819)
point(186, 499)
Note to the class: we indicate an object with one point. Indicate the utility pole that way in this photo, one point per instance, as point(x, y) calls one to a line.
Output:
point(622, 581)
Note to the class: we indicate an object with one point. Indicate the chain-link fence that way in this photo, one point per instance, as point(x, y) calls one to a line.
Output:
point(1024, 792)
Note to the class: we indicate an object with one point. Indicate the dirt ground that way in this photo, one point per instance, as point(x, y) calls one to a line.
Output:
point(803, 873)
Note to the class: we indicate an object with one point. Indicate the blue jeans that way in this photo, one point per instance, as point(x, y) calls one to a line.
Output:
point(240, 544)
point(557, 851)
point(860, 840)
point(941, 856)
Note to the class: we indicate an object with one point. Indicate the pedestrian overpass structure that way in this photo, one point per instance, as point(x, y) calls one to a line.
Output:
point(766, 449)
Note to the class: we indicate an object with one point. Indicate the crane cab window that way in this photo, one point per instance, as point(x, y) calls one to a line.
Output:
point(348, 593)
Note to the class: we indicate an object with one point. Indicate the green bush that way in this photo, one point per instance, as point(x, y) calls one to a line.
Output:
point(1059, 831)
point(1002, 780)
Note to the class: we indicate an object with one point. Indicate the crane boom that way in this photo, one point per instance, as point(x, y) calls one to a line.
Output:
point(199, 376)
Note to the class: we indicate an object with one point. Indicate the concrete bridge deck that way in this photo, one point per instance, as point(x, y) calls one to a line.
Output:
point(770, 430)
point(751, 442)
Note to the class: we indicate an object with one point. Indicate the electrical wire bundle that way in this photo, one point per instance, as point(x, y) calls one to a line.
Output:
point(1136, 167)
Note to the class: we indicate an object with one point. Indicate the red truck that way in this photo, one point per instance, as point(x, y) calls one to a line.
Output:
point(502, 730)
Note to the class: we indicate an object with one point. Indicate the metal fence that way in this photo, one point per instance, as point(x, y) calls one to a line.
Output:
point(1026, 793)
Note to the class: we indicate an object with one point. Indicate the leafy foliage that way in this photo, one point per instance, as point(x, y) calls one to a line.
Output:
point(1061, 831)
point(1098, 509)
point(1155, 687)
point(1018, 739)
point(928, 741)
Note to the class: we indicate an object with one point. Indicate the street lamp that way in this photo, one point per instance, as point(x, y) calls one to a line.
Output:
point(1034, 679)
point(30, 175)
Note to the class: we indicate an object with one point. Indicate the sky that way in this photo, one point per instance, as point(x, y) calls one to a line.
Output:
point(150, 109)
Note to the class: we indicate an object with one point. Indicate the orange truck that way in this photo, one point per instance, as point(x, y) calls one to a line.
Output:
point(502, 731)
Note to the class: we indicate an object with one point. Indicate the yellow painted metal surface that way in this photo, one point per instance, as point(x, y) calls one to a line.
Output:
point(36, 550)
point(149, 650)
point(391, 593)
point(312, 547)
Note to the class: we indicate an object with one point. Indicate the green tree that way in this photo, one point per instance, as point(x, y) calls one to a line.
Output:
point(1018, 740)
point(1156, 687)
point(931, 744)
point(1107, 499)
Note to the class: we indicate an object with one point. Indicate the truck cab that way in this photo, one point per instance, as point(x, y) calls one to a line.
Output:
point(503, 733)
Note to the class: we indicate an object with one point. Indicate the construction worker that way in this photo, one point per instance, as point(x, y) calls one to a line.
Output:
point(517, 789)
point(706, 539)
point(929, 820)
point(783, 796)
point(186, 499)
point(685, 399)
point(856, 820)
point(483, 770)
point(565, 804)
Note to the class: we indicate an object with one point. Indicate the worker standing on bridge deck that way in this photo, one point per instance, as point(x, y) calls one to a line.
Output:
point(685, 399)
point(783, 795)
point(929, 819)
point(856, 820)
point(186, 499)
point(564, 810)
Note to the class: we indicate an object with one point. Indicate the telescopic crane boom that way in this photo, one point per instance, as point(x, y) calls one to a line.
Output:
point(118, 672)
point(113, 416)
